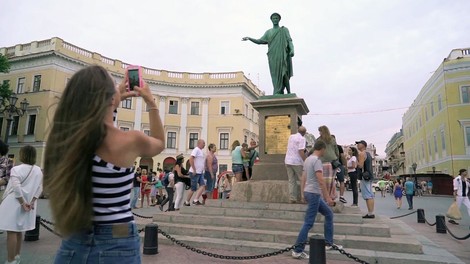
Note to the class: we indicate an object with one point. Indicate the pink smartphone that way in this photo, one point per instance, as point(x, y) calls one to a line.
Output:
point(134, 77)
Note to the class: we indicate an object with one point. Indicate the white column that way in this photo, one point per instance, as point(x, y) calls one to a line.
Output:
point(205, 118)
point(162, 108)
point(138, 114)
point(184, 122)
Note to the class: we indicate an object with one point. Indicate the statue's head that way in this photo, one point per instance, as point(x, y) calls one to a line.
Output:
point(275, 14)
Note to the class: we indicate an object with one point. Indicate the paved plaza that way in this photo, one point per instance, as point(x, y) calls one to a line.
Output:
point(43, 251)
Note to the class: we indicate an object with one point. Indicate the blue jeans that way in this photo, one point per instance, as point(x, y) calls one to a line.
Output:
point(195, 180)
point(135, 196)
point(315, 205)
point(103, 244)
point(409, 199)
point(209, 181)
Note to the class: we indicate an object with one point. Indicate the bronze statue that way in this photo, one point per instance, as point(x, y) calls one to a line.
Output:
point(280, 53)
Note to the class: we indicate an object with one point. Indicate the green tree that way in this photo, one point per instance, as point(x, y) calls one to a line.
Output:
point(5, 91)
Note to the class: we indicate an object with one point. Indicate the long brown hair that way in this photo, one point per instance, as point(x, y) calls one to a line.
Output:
point(325, 134)
point(77, 130)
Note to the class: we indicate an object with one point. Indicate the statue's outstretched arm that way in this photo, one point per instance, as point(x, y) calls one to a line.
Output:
point(256, 41)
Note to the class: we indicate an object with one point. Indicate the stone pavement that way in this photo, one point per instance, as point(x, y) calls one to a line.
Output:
point(43, 251)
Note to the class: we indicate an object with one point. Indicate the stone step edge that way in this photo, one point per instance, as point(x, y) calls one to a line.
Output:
point(285, 233)
point(287, 221)
point(370, 256)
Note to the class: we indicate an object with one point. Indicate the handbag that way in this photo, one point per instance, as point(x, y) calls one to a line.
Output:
point(335, 164)
point(8, 191)
point(366, 176)
point(454, 212)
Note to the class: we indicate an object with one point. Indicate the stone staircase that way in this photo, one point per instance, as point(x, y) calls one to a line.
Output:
point(259, 228)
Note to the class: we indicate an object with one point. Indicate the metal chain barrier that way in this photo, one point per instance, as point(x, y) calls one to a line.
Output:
point(335, 247)
point(443, 222)
point(142, 216)
point(425, 220)
point(43, 224)
point(213, 255)
point(400, 216)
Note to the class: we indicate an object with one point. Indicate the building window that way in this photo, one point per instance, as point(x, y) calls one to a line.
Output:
point(422, 150)
point(420, 122)
point(432, 108)
point(36, 83)
point(435, 143)
point(439, 102)
point(245, 139)
point(253, 115)
point(194, 108)
point(193, 137)
point(14, 126)
point(124, 128)
point(465, 94)
point(20, 86)
point(426, 113)
point(171, 140)
point(429, 147)
point(223, 168)
point(147, 132)
point(224, 141)
point(467, 135)
point(127, 103)
point(173, 108)
point(443, 140)
point(31, 125)
point(224, 107)
point(246, 111)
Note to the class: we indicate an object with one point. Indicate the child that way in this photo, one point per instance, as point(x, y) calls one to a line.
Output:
point(226, 185)
point(246, 161)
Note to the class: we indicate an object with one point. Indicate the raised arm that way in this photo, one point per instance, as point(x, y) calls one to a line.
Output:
point(256, 41)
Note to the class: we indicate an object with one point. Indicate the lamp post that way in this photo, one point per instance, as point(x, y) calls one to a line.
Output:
point(10, 109)
point(414, 166)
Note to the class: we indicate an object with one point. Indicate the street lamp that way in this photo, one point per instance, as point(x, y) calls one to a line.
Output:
point(414, 166)
point(11, 109)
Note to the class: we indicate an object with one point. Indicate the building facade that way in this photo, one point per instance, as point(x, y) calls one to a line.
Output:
point(211, 106)
point(395, 155)
point(436, 128)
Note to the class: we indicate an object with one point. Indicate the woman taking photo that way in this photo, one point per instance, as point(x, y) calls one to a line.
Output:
point(88, 170)
point(18, 209)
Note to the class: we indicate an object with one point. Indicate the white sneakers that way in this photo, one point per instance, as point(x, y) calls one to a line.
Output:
point(304, 255)
point(301, 255)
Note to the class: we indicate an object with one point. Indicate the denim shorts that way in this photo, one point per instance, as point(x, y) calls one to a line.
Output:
point(340, 174)
point(237, 168)
point(103, 244)
point(209, 181)
point(366, 190)
point(195, 180)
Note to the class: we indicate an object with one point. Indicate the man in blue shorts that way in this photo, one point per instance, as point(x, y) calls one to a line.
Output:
point(196, 173)
point(364, 165)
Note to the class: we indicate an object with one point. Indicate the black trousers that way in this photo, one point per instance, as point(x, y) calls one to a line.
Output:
point(353, 182)
point(169, 198)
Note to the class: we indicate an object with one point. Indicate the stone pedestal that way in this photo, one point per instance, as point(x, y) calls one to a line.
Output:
point(279, 116)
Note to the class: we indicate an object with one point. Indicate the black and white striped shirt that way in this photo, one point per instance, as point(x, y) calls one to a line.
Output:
point(111, 193)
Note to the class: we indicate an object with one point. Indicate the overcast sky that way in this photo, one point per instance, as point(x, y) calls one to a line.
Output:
point(354, 60)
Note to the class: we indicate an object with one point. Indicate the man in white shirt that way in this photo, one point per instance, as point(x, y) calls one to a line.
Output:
point(461, 191)
point(196, 173)
point(294, 161)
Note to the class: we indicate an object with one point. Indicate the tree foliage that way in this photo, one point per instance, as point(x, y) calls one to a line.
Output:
point(5, 91)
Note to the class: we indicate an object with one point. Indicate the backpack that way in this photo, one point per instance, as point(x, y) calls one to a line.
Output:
point(166, 179)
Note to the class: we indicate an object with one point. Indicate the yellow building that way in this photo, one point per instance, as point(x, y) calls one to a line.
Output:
point(436, 127)
point(211, 106)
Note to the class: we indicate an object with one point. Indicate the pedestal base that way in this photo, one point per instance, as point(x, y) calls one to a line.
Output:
point(268, 191)
point(269, 171)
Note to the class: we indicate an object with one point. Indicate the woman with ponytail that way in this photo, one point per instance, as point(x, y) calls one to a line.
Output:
point(88, 170)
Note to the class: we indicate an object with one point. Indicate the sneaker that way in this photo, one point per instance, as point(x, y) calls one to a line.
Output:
point(369, 216)
point(333, 247)
point(453, 222)
point(341, 199)
point(186, 203)
point(301, 255)
point(18, 259)
point(161, 207)
point(197, 203)
point(353, 205)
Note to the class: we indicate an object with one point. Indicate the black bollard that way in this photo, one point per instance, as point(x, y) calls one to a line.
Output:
point(151, 239)
point(421, 217)
point(440, 224)
point(317, 250)
point(33, 235)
